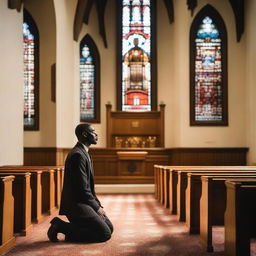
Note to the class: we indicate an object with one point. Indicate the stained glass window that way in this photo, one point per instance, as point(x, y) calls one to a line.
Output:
point(208, 83)
point(30, 58)
point(136, 52)
point(89, 81)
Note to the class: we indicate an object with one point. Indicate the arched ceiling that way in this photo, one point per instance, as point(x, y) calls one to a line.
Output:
point(83, 10)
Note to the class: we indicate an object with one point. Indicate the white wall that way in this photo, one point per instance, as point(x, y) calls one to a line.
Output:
point(177, 118)
point(66, 93)
point(11, 86)
point(46, 135)
point(250, 82)
point(57, 122)
point(108, 64)
point(173, 76)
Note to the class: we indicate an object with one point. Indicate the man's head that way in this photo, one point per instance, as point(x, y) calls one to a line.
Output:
point(86, 134)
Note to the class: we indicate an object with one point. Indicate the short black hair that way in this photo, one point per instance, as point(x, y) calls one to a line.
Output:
point(80, 129)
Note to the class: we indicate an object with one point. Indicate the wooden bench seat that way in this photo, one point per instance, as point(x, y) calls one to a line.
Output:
point(182, 183)
point(240, 220)
point(167, 195)
point(212, 206)
point(7, 238)
point(22, 201)
point(194, 192)
point(173, 180)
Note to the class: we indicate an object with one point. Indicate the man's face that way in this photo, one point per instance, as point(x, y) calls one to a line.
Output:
point(91, 135)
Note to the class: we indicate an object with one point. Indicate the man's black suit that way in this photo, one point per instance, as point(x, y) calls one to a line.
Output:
point(79, 201)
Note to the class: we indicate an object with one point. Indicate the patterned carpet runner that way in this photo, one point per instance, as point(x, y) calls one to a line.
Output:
point(142, 227)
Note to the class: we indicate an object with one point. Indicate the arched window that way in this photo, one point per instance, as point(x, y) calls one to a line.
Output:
point(136, 55)
point(208, 69)
point(89, 81)
point(31, 72)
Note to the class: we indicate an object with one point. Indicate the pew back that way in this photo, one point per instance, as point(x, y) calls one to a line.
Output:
point(213, 205)
point(240, 221)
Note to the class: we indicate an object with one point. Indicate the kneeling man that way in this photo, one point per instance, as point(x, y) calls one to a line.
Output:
point(88, 221)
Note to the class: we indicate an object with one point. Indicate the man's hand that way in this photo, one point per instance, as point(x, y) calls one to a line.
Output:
point(101, 213)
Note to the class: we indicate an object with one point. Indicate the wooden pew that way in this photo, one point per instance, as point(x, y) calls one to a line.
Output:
point(7, 238)
point(166, 181)
point(36, 189)
point(194, 192)
point(240, 220)
point(173, 182)
point(159, 182)
point(22, 201)
point(212, 210)
point(48, 178)
point(182, 183)
point(169, 186)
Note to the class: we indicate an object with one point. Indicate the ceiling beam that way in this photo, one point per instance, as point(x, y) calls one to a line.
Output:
point(79, 18)
point(170, 10)
point(15, 4)
point(238, 9)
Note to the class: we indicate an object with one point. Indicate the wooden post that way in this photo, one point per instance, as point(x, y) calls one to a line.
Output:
point(7, 239)
point(109, 124)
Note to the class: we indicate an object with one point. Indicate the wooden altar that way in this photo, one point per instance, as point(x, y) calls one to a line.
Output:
point(133, 137)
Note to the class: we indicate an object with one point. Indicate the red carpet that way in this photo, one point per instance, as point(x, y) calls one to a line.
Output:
point(142, 227)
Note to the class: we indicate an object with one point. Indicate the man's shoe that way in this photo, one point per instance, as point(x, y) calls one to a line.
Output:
point(53, 230)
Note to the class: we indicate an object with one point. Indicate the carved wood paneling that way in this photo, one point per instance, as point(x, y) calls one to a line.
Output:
point(110, 168)
point(135, 129)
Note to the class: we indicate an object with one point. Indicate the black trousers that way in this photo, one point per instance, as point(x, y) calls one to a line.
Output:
point(88, 230)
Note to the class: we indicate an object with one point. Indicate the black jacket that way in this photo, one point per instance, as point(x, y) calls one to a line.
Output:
point(78, 197)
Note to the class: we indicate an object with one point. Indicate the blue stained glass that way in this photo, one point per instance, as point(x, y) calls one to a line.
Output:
point(207, 29)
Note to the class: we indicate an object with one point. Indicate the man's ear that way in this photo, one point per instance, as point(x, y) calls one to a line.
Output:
point(84, 134)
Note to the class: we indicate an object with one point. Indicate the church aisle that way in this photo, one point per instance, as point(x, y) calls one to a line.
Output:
point(142, 227)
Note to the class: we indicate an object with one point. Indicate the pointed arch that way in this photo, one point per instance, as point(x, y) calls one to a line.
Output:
point(208, 69)
point(89, 81)
point(31, 72)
